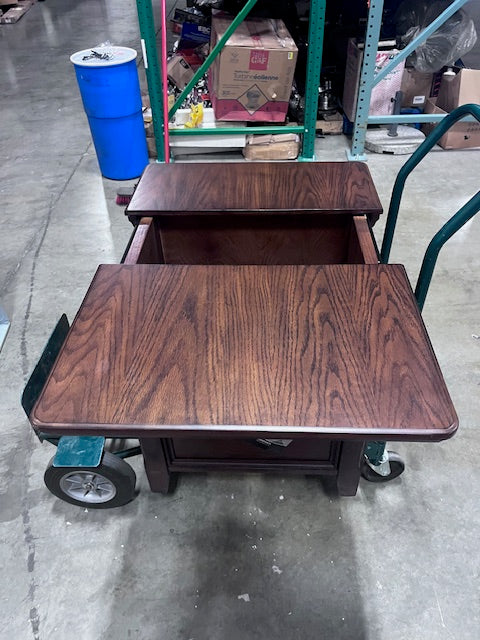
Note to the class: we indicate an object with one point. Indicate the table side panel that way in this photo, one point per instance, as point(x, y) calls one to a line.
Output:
point(145, 245)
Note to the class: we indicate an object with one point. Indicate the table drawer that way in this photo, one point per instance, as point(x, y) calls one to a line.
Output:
point(300, 449)
point(259, 239)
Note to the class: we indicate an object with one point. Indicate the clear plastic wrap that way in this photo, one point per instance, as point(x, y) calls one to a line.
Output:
point(453, 39)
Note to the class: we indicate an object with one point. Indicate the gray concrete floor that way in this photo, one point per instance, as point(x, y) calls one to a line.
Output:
point(398, 561)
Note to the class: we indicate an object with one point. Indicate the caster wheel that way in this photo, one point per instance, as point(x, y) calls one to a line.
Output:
point(111, 484)
point(397, 467)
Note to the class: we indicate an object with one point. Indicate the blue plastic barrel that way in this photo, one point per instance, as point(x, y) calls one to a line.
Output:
point(108, 82)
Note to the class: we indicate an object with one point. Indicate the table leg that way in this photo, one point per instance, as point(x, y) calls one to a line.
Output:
point(349, 466)
point(156, 466)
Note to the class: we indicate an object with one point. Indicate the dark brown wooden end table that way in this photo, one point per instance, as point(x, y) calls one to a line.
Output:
point(198, 362)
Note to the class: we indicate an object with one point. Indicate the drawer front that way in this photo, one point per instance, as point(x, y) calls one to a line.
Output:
point(228, 449)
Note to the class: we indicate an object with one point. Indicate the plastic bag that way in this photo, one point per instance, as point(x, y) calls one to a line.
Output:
point(102, 51)
point(453, 39)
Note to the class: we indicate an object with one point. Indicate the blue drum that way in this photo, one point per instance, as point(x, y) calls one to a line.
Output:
point(108, 81)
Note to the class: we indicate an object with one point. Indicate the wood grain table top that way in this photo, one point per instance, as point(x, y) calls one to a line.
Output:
point(244, 187)
point(336, 350)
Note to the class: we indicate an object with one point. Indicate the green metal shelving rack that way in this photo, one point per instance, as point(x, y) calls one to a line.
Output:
point(154, 80)
point(368, 78)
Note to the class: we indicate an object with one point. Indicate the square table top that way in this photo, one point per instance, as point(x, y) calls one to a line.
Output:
point(244, 187)
point(162, 350)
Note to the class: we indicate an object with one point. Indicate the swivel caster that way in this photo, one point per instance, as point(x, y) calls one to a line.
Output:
point(388, 469)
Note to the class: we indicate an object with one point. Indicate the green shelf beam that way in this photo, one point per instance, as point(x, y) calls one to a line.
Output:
point(237, 130)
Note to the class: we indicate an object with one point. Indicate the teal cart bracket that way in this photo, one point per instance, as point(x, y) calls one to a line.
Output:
point(79, 451)
point(381, 465)
point(455, 223)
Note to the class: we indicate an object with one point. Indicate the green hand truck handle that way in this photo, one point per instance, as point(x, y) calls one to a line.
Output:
point(455, 223)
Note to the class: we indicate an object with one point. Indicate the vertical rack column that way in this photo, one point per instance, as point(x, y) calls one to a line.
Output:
point(368, 78)
point(152, 70)
point(372, 37)
point(314, 67)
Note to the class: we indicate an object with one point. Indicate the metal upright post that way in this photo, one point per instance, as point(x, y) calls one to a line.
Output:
point(152, 71)
point(312, 82)
point(369, 80)
point(366, 80)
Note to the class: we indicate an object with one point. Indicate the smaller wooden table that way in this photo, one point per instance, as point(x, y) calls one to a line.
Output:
point(245, 187)
point(329, 356)
point(255, 213)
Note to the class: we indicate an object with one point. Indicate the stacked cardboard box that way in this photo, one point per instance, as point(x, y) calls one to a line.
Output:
point(382, 94)
point(455, 90)
point(278, 146)
point(252, 77)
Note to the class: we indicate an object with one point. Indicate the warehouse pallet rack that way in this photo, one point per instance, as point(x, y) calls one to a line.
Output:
point(368, 78)
point(155, 80)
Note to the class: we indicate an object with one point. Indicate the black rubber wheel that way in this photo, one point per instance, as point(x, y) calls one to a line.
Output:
point(397, 467)
point(111, 484)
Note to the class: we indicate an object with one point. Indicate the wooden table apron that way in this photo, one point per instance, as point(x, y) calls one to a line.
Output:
point(333, 355)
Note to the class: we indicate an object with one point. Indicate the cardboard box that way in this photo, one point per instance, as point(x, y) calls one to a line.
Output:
point(462, 88)
point(179, 71)
point(252, 77)
point(330, 124)
point(279, 146)
point(463, 135)
point(416, 88)
point(193, 35)
point(382, 94)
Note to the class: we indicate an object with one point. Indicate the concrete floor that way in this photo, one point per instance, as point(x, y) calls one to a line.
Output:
point(399, 561)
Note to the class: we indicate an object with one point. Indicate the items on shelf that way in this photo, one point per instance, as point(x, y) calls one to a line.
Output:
point(416, 88)
point(252, 77)
point(179, 71)
point(278, 146)
point(327, 102)
point(458, 86)
point(452, 40)
point(383, 92)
